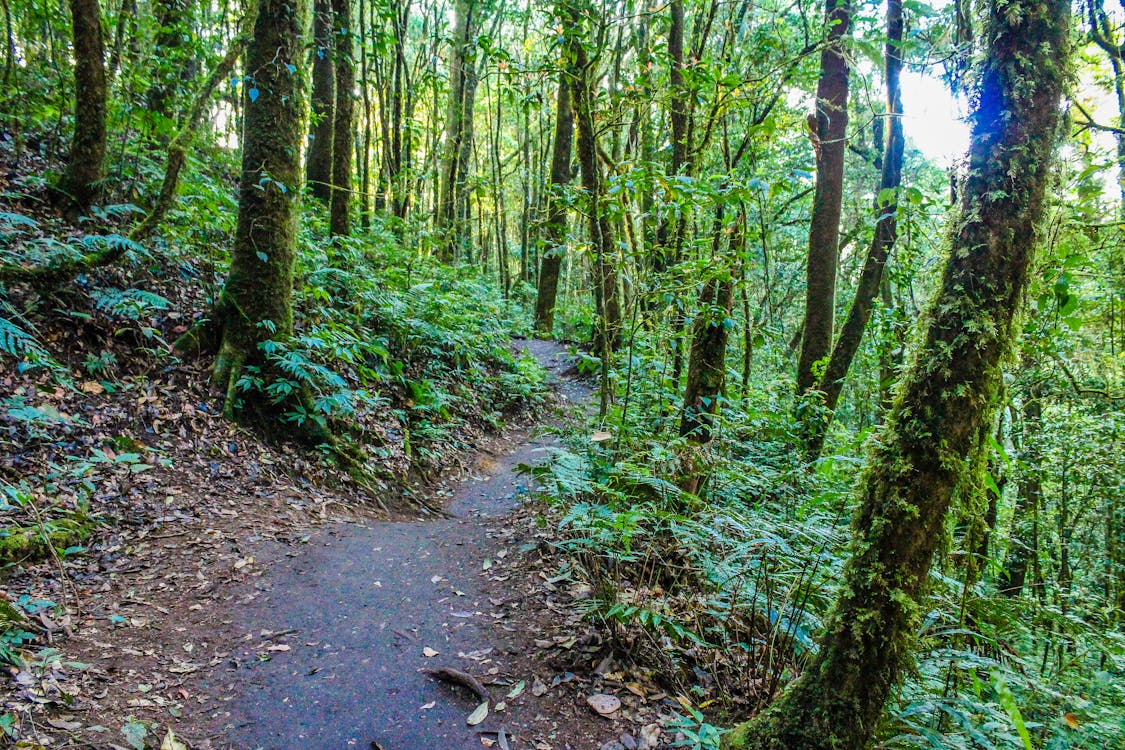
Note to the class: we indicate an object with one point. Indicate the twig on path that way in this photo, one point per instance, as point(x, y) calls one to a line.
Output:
point(457, 677)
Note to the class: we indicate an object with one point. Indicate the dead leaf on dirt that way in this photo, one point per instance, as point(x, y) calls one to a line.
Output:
point(279, 647)
point(244, 562)
point(635, 688)
point(428, 706)
point(64, 724)
point(93, 387)
point(517, 689)
point(170, 742)
point(478, 715)
point(1071, 719)
point(601, 436)
point(538, 688)
point(429, 653)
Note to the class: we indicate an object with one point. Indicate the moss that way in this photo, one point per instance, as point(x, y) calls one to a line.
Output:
point(19, 543)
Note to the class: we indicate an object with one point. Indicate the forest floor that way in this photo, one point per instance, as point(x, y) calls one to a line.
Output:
point(264, 613)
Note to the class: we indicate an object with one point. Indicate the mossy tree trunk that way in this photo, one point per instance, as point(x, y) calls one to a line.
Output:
point(318, 159)
point(255, 304)
point(555, 229)
point(80, 184)
point(343, 122)
point(949, 392)
point(886, 233)
point(829, 137)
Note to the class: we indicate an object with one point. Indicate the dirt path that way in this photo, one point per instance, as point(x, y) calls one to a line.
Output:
point(339, 630)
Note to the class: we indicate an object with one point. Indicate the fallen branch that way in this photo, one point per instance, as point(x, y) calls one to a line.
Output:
point(457, 677)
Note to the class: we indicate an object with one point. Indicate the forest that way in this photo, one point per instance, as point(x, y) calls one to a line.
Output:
point(595, 374)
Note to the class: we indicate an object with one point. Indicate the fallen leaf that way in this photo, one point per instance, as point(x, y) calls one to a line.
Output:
point(479, 715)
point(519, 688)
point(1071, 719)
point(429, 652)
point(601, 436)
point(93, 387)
point(603, 703)
point(243, 563)
point(635, 688)
point(538, 689)
point(278, 647)
point(171, 743)
point(428, 706)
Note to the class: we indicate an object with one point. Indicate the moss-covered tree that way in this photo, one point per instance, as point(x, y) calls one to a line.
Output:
point(255, 304)
point(80, 183)
point(947, 395)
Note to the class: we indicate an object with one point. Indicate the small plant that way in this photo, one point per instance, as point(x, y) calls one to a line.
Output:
point(694, 731)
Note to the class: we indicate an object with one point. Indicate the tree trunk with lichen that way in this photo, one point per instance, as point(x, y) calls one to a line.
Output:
point(80, 183)
point(452, 208)
point(949, 392)
point(255, 304)
point(340, 208)
point(555, 229)
point(318, 159)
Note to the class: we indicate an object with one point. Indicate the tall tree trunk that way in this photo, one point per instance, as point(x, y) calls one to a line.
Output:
point(829, 143)
point(1023, 545)
point(255, 304)
point(173, 51)
point(886, 232)
point(343, 122)
point(949, 392)
point(707, 369)
point(555, 229)
point(607, 326)
point(452, 222)
point(80, 184)
point(318, 160)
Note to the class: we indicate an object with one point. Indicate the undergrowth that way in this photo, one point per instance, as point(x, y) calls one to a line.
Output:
point(722, 596)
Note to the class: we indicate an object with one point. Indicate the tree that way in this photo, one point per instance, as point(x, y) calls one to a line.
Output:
point(580, 68)
point(318, 160)
point(255, 303)
point(948, 392)
point(828, 130)
point(555, 229)
point(80, 183)
point(343, 121)
point(452, 206)
point(831, 383)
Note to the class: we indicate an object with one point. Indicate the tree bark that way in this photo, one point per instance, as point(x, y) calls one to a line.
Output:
point(80, 184)
point(886, 233)
point(343, 121)
point(829, 144)
point(255, 304)
point(1023, 544)
point(607, 326)
point(555, 229)
point(457, 149)
point(318, 159)
point(949, 392)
